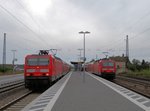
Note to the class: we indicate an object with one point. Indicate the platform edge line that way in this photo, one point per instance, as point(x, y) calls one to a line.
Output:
point(132, 100)
point(54, 99)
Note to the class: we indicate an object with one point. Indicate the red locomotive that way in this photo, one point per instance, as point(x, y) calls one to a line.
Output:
point(43, 69)
point(105, 68)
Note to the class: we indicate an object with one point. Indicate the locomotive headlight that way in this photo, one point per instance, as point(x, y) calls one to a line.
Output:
point(47, 74)
point(27, 74)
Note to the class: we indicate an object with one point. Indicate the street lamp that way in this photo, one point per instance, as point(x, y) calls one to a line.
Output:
point(84, 59)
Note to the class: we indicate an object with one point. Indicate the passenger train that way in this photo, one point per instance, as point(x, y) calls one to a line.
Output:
point(43, 69)
point(105, 68)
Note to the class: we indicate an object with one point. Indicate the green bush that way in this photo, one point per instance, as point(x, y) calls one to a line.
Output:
point(7, 69)
point(143, 73)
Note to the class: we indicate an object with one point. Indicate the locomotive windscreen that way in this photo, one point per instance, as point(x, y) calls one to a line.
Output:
point(111, 64)
point(37, 61)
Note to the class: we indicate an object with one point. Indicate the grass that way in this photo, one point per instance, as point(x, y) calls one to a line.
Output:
point(8, 71)
point(143, 73)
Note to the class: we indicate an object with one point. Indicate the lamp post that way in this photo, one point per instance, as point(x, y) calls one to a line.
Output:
point(84, 59)
point(80, 59)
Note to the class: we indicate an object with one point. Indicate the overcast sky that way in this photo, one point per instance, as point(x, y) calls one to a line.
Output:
point(32, 25)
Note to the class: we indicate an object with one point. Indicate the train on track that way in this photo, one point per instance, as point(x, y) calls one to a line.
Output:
point(43, 69)
point(105, 68)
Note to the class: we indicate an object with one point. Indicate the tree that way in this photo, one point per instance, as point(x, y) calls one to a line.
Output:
point(144, 65)
point(136, 62)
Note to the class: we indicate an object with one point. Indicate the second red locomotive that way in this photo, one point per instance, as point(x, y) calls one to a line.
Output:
point(105, 68)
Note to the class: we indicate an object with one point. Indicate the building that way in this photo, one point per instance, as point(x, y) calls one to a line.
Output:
point(77, 65)
point(120, 63)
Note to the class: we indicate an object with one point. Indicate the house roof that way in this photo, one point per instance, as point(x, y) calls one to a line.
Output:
point(118, 58)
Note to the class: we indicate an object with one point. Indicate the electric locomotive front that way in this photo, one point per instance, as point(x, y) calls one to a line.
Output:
point(37, 70)
point(108, 69)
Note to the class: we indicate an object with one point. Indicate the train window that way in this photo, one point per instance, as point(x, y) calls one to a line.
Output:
point(108, 64)
point(37, 61)
point(32, 61)
point(43, 61)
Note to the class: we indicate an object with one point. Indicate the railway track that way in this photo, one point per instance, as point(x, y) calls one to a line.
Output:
point(137, 85)
point(14, 96)
point(11, 93)
point(20, 102)
point(10, 86)
point(5, 106)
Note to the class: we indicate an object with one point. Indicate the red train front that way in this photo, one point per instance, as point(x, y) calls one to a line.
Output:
point(105, 68)
point(43, 69)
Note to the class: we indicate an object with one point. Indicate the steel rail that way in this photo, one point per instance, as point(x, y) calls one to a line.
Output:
point(11, 86)
point(137, 85)
point(14, 101)
point(134, 80)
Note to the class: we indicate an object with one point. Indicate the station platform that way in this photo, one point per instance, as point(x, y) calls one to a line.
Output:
point(79, 91)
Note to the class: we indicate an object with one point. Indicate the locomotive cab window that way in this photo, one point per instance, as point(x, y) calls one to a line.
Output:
point(108, 64)
point(43, 61)
point(32, 61)
point(37, 61)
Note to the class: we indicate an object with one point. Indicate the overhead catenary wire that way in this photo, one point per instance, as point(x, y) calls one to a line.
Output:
point(142, 32)
point(137, 22)
point(117, 42)
point(28, 13)
point(39, 37)
point(41, 27)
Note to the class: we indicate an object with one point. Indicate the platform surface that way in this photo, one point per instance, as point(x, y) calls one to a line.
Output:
point(84, 93)
point(78, 91)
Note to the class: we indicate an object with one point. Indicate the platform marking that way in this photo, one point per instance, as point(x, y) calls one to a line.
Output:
point(43, 101)
point(54, 99)
point(124, 93)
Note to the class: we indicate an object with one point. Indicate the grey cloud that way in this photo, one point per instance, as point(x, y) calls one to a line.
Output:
point(108, 21)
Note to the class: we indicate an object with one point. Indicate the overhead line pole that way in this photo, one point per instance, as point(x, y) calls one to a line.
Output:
point(4, 53)
point(127, 47)
point(127, 50)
